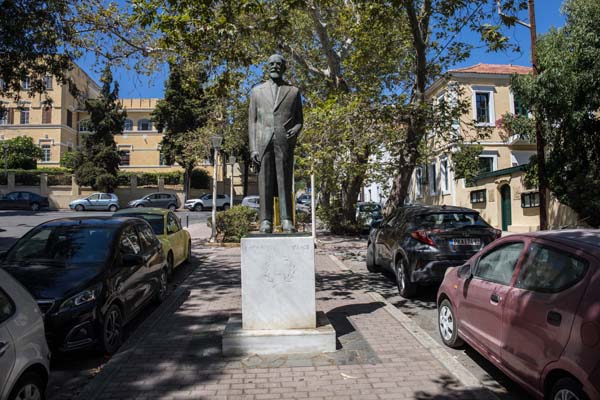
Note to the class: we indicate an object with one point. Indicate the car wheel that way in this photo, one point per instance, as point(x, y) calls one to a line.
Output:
point(202, 208)
point(170, 265)
point(112, 330)
point(568, 389)
point(371, 265)
point(113, 208)
point(448, 326)
point(172, 207)
point(194, 207)
point(35, 206)
point(79, 208)
point(406, 288)
point(139, 205)
point(188, 257)
point(30, 386)
point(225, 207)
point(161, 294)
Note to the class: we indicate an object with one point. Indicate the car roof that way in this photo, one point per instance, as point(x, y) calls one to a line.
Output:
point(418, 208)
point(585, 239)
point(143, 210)
point(89, 221)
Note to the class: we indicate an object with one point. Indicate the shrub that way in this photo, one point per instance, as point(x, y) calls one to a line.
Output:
point(200, 179)
point(27, 179)
point(235, 223)
point(59, 180)
point(106, 182)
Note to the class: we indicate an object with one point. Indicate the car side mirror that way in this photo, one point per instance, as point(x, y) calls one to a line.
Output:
point(132, 260)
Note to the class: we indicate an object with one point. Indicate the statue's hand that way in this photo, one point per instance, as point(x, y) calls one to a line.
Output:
point(291, 133)
point(254, 157)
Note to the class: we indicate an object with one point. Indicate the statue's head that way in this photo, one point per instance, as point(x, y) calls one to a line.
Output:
point(276, 66)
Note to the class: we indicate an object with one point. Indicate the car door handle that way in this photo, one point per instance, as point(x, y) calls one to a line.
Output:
point(554, 318)
point(495, 298)
point(3, 347)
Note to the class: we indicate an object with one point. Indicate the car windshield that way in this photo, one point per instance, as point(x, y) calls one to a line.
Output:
point(63, 245)
point(156, 221)
point(369, 208)
point(450, 220)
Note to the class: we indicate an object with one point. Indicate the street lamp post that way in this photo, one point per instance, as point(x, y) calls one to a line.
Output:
point(232, 162)
point(216, 141)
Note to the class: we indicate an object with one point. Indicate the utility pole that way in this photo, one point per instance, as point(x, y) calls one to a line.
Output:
point(539, 135)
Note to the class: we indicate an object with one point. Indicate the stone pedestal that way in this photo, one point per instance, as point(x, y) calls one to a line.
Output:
point(278, 299)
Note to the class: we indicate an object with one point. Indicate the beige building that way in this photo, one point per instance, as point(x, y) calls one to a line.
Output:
point(498, 192)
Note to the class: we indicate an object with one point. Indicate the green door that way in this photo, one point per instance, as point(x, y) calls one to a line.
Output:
point(506, 210)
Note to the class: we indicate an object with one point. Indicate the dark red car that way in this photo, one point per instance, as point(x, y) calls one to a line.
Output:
point(530, 304)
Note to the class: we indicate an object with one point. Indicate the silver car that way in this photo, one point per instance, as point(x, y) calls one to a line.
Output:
point(251, 201)
point(96, 201)
point(24, 354)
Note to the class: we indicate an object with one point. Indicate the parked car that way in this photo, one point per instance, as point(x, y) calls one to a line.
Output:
point(89, 276)
point(24, 354)
point(304, 199)
point(204, 202)
point(23, 201)
point(251, 201)
point(418, 243)
point(157, 200)
point(176, 241)
point(367, 212)
point(96, 201)
point(530, 304)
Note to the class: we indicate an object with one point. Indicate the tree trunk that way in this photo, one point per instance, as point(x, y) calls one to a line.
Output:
point(187, 180)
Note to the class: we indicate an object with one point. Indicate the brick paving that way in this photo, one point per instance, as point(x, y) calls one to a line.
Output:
point(175, 354)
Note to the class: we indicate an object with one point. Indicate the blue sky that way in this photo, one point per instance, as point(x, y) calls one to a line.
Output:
point(547, 15)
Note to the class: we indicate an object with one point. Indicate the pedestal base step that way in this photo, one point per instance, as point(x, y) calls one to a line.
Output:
point(237, 341)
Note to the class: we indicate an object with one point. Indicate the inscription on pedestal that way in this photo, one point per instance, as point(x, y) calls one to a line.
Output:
point(278, 282)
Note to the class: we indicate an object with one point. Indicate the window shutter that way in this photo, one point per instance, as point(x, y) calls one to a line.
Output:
point(47, 115)
point(69, 118)
point(11, 116)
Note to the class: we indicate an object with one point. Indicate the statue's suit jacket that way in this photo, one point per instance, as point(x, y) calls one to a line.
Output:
point(266, 116)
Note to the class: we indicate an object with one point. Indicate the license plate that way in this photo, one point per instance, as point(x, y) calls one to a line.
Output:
point(466, 242)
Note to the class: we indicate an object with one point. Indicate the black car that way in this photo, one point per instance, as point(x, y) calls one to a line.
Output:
point(418, 243)
point(157, 200)
point(23, 201)
point(89, 276)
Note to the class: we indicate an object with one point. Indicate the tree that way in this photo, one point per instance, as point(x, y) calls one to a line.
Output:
point(182, 117)
point(97, 163)
point(22, 153)
point(565, 97)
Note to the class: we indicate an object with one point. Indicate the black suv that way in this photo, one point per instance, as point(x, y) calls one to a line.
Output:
point(418, 243)
point(89, 276)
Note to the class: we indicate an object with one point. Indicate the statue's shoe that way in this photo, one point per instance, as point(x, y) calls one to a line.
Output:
point(287, 226)
point(266, 227)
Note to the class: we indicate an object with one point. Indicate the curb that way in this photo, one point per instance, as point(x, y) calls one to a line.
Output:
point(462, 374)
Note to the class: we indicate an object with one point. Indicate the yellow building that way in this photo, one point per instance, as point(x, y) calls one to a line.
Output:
point(498, 192)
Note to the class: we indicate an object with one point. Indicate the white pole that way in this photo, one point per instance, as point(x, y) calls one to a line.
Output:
point(231, 178)
point(312, 207)
point(213, 236)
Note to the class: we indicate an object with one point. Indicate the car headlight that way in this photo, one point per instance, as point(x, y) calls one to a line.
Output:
point(84, 297)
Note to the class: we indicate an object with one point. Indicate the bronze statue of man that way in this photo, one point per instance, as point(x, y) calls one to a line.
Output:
point(274, 122)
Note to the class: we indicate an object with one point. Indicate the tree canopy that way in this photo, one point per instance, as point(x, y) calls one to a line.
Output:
point(22, 153)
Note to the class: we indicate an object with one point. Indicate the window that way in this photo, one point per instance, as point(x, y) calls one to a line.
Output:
point(69, 118)
point(128, 125)
point(172, 225)
point(499, 264)
point(147, 236)
point(519, 107)
point(124, 154)
point(24, 116)
point(7, 308)
point(486, 164)
point(3, 116)
point(419, 182)
point(549, 270)
point(48, 82)
point(432, 179)
point(530, 200)
point(478, 196)
point(144, 125)
point(482, 107)
point(2, 84)
point(105, 196)
point(26, 84)
point(130, 243)
point(94, 197)
point(445, 175)
point(84, 125)
point(162, 159)
point(47, 115)
point(46, 148)
point(448, 220)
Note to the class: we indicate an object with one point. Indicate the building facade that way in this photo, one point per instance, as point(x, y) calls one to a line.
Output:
point(498, 192)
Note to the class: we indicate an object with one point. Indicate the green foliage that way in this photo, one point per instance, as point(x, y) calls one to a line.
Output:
point(235, 223)
point(466, 161)
point(565, 97)
point(69, 160)
point(150, 179)
point(22, 153)
point(520, 126)
point(200, 179)
point(98, 157)
point(27, 179)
